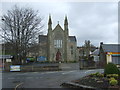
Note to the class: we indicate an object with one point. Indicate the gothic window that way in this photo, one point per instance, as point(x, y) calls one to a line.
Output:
point(71, 50)
point(58, 43)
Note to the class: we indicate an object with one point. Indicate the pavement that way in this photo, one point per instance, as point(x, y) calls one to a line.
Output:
point(49, 79)
point(69, 66)
point(37, 64)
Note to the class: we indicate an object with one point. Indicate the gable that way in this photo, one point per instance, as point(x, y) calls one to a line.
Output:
point(58, 28)
point(58, 32)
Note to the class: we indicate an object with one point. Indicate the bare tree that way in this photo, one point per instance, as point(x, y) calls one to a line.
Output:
point(21, 27)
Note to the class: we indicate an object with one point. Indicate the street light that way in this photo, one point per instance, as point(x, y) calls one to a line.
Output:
point(3, 62)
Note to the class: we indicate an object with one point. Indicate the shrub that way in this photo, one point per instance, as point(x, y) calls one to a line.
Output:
point(113, 81)
point(97, 74)
point(100, 75)
point(113, 75)
point(93, 74)
point(111, 68)
point(112, 78)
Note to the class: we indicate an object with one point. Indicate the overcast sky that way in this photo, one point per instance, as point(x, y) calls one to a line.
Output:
point(94, 21)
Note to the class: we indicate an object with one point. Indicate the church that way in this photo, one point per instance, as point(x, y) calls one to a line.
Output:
point(57, 45)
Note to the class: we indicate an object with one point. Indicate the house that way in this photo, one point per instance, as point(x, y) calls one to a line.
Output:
point(95, 55)
point(109, 53)
point(86, 50)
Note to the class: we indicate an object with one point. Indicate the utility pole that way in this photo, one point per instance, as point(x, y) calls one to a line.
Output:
point(3, 51)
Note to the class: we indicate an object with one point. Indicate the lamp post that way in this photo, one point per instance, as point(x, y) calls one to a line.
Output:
point(3, 62)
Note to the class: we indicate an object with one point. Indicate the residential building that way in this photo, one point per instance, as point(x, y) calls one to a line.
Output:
point(109, 53)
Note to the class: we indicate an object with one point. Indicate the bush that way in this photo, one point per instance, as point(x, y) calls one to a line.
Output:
point(113, 81)
point(97, 74)
point(113, 75)
point(100, 75)
point(111, 68)
point(94, 74)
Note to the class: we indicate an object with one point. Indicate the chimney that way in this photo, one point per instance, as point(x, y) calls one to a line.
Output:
point(101, 43)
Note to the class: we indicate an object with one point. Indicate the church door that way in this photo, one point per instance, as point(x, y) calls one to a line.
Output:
point(58, 56)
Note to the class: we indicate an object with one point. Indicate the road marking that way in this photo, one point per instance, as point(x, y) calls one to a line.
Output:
point(42, 73)
point(68, 72)
point(29, 77)
point(40, 77)
point(11, 78)
point(89, 71)
point(18, 85)
point(48, 72)
point(35, 72)
point(21, 73)
point(63, 72)
point(65, 67)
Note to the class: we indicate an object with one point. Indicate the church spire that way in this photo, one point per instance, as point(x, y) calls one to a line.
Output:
point(49, 21)
point(66, 26)
point(66, 21)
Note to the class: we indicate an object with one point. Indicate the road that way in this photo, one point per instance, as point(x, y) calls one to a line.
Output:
point(50, 79)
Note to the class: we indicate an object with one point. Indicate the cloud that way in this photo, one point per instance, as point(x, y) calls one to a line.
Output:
point(95, 21)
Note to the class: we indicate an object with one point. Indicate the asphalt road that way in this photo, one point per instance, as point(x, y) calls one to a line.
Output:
point(50, 79)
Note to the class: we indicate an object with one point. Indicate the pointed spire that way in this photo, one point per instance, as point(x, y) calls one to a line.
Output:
point(66, 21)
point(49, 21)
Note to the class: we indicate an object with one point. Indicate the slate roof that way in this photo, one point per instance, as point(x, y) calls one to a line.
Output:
point(111, 47)
point(43, 38)
point(96, 52)
point(72, 38)
point(5, 56)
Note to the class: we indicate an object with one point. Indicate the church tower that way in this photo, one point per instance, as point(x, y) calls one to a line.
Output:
point(66, 34)
point(49, 39)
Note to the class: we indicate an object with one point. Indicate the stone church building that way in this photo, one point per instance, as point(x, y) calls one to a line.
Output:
point(57, 45)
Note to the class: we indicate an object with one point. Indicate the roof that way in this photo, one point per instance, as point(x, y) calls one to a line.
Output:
point(72, 38)
point(42, 38)
point(5, 56)
point(96, 52)
point(111, 47)
point(58, 27)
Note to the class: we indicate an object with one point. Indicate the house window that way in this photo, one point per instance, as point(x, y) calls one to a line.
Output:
point(115, 59)
point(58, 43)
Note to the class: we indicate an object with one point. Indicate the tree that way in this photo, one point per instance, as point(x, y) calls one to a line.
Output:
point(21, 27)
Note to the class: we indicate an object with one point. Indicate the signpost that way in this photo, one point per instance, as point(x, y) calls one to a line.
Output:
point(41, 58)
point(15, 68)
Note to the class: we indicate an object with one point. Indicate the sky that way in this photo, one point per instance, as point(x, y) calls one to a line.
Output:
point(94, 21)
